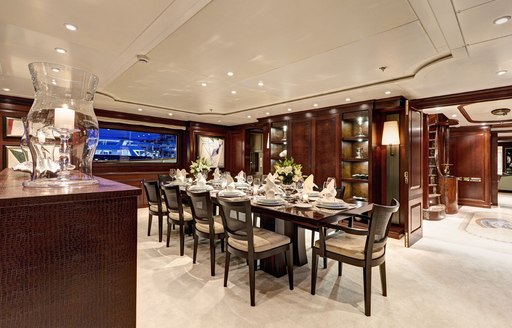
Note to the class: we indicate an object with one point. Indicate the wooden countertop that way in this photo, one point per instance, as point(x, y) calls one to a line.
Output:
point(12, 192)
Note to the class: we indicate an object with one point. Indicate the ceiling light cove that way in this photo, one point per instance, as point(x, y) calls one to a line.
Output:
point(501, 20)
point(70, 27)
point(61, 50)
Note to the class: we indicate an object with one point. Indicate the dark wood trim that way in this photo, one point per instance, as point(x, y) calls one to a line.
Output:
point(463, 98)
point(136, 118)
point(466, 115)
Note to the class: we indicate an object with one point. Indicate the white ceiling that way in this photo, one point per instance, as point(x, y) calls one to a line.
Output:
point(305, 52)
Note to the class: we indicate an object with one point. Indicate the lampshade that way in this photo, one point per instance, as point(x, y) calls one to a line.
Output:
point(390, 134)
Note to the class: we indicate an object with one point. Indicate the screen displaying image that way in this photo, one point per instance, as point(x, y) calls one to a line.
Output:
point(124, 145)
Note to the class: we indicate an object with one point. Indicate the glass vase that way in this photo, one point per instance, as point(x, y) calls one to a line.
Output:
point(61, 127)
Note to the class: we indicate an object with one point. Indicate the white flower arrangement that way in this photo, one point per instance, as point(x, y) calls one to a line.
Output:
point(288, 171)
point(199, 166)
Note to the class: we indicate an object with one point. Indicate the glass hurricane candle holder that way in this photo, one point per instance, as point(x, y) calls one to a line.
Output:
point(61, 127)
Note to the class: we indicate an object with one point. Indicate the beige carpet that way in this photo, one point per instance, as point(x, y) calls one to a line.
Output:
point(496, 226)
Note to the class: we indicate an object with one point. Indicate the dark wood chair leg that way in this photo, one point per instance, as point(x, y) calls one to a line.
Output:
point(160, 227)
point(314, 270)
point(325, 262)
point(222, 245)
point(212, 256)
point(252, 282)
point(312, 238)
point(226, 268)
point(182, 240)
point(367, 277)
point(168, 234)
point(339, 268)
point(150, 220)
point(289, 260)
point(194, 256)
point(382, 269)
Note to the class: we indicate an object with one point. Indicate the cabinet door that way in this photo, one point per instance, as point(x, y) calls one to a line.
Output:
point(300, 135)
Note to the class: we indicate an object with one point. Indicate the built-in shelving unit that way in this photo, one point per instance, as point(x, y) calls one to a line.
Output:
point(355, 154)
point(278, 142)
point(435, 210)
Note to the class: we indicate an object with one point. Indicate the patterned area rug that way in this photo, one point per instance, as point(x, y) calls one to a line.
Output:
point(496, 226)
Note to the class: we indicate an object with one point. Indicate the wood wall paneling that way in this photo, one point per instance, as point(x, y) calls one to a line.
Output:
point(300, 144)
point(326, 149)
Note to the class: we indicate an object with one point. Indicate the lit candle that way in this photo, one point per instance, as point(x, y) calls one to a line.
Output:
point(64, 118)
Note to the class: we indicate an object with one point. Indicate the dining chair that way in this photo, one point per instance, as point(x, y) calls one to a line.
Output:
point(155, 206)
point(176, 214)
point(206, 224)
point(364, 248)
point(164, 179)
point(249, 242)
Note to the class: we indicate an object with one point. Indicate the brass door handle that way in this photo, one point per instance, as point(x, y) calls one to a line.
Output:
point(406, 177)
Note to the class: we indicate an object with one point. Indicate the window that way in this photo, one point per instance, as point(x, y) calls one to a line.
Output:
point(134, 146)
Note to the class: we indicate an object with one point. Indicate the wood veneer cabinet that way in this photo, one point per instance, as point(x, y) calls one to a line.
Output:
point(278, 142)
point(355, 154)
point(68, 256)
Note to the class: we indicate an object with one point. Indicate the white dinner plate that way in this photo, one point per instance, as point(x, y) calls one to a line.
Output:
point(269, 202)
point(231, 193)
point(200, 188)
point(302, 205)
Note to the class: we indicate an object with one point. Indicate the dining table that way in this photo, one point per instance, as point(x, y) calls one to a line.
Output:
point(292, 217)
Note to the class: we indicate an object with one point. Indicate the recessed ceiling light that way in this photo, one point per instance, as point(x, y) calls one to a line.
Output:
point(6, 89)
point(170, 114)
point(501, 20)
point(267, 113)
point(61, 50)
point(454, 115)
point(347, 99)
point(315, 105)
point(501, 72)
point(289, 109)
point(139, 109)
point(54, 82)
point(248, 116)
point(204, 84)
point(388, 92)
point(233, 92)
point(260, 83)
point(55, 69)
point(230, 73)
point(437, 108)
point(219, 121)
point(70, 27)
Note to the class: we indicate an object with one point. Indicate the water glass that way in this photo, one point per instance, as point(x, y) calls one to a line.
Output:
point(172, 173)
point(249, 179)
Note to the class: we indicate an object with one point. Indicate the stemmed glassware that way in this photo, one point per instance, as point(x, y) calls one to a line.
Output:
point(172, 173)
point(249, 180)
point(257, 183)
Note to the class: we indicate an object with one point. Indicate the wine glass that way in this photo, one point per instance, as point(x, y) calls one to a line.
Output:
point(257, 183)
point(249, 179)
point(172, 173)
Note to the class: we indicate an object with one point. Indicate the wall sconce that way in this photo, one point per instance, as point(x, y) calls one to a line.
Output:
point(390, 135)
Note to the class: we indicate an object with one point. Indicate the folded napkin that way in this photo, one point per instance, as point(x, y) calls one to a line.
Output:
point(309, 184)
point(181, 175)
point(272, 177)
point(216, 174)
point(270, 188)
point(240, 178)
point(201, 181)
point(329, 192)
point(230, 183)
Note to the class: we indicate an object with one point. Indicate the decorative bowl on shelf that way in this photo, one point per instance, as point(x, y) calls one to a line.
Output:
point(360, 176)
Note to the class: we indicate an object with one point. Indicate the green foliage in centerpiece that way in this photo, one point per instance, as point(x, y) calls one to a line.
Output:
point(288, 171)
point(199, 166)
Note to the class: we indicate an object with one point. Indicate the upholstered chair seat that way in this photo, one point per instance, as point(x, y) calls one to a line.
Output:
point(348, 245)
point(263, 241)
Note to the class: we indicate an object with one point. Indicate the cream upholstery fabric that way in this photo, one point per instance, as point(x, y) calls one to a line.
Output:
point(154, 208)
point(217, 226)
point(186, 216)
point(349, 245)
point(263, 241)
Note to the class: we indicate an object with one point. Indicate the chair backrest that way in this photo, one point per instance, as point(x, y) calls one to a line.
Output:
point(237, 220)
point(172, 197)
point(379, 226)
point(201, 206)
point(164, 178)
point(340, 191)
point(153, 192)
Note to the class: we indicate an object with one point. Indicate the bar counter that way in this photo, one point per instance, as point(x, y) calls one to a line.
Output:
point(68, 256)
